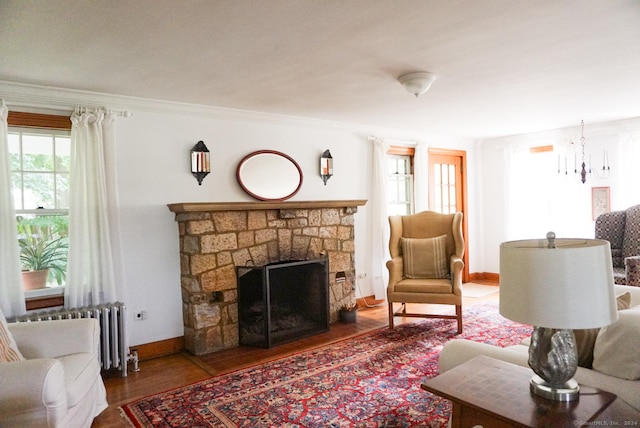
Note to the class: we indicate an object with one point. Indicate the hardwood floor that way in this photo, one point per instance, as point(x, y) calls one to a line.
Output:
point(165, 373)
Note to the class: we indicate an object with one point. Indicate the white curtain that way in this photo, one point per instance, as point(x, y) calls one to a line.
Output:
point(629, 148)
point(11, 292)
point(91, 275)
point(380, 219)
point(421, 177)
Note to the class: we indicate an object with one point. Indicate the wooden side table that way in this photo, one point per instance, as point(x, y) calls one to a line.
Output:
point(493, 393)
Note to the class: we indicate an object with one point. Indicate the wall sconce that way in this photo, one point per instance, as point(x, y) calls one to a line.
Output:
point(326, 166)
point(200, 164)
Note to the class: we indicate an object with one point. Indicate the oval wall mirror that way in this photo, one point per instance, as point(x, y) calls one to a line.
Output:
point(269, 175)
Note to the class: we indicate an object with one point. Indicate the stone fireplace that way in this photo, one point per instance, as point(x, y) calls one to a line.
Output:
point(217, 238)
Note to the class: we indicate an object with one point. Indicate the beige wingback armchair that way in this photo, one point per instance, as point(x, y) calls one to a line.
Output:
point(426, 263)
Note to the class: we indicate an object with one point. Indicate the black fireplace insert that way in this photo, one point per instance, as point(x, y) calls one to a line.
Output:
point(284, 301)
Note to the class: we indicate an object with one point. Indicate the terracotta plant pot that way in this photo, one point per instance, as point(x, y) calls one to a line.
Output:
point(34, 279)
point(348, 316)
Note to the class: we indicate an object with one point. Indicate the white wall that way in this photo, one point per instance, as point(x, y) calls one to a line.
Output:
point(570, 212)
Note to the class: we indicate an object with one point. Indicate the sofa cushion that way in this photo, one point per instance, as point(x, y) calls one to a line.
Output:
point(425, 257)
point(586, 338)
point(8, 349)
point(618, 345)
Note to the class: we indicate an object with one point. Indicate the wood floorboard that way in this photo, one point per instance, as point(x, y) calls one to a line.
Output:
point(173, 371)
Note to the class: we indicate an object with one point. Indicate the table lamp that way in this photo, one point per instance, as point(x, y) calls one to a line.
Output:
point(556, 285)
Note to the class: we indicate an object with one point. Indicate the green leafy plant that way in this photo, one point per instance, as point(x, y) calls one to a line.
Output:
point(349, 308)
point(44, 245)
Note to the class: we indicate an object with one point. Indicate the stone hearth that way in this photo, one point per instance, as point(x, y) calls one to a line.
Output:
point(215, 238)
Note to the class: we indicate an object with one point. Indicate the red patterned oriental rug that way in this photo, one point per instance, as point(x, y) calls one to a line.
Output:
point(371, 380)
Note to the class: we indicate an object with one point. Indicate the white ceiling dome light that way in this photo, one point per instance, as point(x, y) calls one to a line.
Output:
point(417, 82)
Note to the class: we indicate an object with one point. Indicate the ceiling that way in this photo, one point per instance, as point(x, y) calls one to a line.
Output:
point(503, 66)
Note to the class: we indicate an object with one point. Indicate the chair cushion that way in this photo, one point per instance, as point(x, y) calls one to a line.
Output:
point(421, 285)
point(618, 346)
point(425, 257)
point(586, 338)
point(8, 349)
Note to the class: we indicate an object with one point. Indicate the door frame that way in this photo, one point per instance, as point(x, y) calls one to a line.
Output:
point(462, 154)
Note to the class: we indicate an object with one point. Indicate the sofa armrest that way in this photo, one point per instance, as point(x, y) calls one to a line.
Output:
point(32, 391)
point(632, 270)
point(51, 339)
point(459, 351)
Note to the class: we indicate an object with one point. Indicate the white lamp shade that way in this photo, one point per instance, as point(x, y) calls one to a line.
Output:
point(567, 287)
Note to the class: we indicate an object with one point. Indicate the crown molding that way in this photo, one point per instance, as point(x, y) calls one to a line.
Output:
point(52, 100)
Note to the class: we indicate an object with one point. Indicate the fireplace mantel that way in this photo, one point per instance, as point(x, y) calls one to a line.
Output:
point(216, 238)
point(185, 207)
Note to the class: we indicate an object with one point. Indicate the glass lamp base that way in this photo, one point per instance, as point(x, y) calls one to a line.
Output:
point(569, 391)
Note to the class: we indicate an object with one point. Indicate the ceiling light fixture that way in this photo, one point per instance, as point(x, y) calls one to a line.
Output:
point(417, 82)
point(584, 171)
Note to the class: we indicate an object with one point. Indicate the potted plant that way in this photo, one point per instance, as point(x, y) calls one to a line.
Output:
point(43, 254)
point(348, 313)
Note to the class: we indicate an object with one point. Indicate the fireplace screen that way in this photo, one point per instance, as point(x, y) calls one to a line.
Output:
point(282, 302)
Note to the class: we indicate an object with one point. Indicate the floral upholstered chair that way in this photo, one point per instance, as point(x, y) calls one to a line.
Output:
point(622, 230)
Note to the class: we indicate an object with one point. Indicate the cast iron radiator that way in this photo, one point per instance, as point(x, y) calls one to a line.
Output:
point(112, 317)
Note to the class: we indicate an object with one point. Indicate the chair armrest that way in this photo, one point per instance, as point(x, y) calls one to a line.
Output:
point(51, 339)
point(30, 390)
point(456, 265)
point(632, 270)
point(396, 270)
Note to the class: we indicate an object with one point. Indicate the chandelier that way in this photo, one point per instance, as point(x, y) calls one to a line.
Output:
point(599, 174)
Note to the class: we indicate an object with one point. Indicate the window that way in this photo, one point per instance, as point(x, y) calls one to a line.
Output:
point(40, 159)
point(400, 184)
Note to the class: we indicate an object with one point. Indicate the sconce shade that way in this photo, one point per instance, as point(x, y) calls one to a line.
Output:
point(417, 82)
point(326, 166)
point(200, 162)
point(566, 287)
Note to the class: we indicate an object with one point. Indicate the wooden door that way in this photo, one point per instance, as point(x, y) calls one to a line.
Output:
point(448, 190)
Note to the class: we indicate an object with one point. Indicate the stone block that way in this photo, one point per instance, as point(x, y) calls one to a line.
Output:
point(265, 235)
point(328, 232)
point(198, 227)
point(330, 216)
point(246, 239)
point(190, 244)
point(259, 255)
point(331, 245)
point(224, 258)
point(222, 278)
point(315, 217)
point(218, 242)
point(205, 315)
point(242, 257)
point(228, 221)
point(347, 220)
point(340, 261)
point(202, 263)
point(256, 220)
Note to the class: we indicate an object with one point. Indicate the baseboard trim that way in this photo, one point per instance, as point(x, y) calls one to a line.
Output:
point(484, 276)
point(161, 348)
point(367, 301)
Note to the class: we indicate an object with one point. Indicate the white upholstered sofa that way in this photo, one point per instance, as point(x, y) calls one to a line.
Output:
point(56, 381)
point(616, 354)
